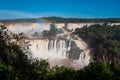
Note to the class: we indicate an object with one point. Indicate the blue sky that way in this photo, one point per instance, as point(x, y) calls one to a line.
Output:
point(61, 8)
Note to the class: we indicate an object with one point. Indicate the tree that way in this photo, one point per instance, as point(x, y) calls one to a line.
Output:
point(53, 30)
point(95, 71)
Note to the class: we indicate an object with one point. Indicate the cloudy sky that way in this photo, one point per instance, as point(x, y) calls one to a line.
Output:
point(61, 8)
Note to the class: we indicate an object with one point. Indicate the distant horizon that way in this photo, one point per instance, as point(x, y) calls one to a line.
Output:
point(64, 17)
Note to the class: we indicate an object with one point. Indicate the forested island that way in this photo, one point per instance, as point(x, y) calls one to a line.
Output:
point(104, 41)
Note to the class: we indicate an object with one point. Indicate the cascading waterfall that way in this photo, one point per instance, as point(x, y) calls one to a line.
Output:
point(60, 49)
point(49, 48)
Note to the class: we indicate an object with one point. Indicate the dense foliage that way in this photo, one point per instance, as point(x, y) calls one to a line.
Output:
point(52, 32)
point(78, 20)
point(63, 20)
point(15, 65)
point(104, 41)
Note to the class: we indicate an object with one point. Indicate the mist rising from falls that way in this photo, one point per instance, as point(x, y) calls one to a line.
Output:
point(28, 28)
point(55, 51)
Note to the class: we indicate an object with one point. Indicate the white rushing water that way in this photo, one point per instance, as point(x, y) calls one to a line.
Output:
point(49, 48)
point(56, 51)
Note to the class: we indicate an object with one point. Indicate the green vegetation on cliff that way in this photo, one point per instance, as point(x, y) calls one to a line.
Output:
point(104, 41)
point(52, 32)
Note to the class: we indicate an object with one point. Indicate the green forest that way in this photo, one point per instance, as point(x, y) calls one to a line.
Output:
point(80, 20)
point(56, 19)
point(104, 41)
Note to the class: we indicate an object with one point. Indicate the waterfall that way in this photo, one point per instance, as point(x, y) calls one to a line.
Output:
point(60, 49)
point(63, 49)
point(49, 48)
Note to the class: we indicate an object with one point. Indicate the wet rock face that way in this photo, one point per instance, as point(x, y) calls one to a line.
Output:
point(74, 52)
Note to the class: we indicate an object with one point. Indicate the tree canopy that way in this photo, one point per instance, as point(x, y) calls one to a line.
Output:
point(104, 41)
